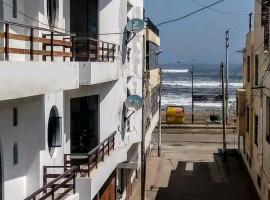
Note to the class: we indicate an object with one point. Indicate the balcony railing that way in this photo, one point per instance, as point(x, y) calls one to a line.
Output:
point(89, 49)
point(51, 41)
point(87, 162)
point(57, 189)
point(50, 44)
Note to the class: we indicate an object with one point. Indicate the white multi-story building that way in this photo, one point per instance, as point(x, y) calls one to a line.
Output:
point(65, 73)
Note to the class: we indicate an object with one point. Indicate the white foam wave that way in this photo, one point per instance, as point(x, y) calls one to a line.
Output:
point(175, 70)
point(186, 101)
point(187, 84)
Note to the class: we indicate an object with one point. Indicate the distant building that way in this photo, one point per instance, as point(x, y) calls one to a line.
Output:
point(65, 73)
point(253, 101)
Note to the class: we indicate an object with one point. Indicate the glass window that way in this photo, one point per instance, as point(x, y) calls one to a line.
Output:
point(268, 119)
point(54, 130)
point(14, 8)
point(248, 68)
point(247, 119)
point(256, 129)
point(15, 154)
point(52, 7)
point(256, 69)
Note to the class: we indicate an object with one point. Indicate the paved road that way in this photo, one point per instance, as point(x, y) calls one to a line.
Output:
point(191, 168)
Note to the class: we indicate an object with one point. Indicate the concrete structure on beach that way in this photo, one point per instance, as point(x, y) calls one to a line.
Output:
point(65, 76)
point(254, 101)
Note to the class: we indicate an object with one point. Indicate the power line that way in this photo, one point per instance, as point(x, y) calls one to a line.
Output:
point(189, 14)
point(220, 11)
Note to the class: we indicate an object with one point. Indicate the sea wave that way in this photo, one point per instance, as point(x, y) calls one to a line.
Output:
point(213, 84)
point(178, 100)
point(175, 70)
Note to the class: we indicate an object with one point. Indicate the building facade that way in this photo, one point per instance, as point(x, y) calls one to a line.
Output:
point(253, 106)
point(66, 70)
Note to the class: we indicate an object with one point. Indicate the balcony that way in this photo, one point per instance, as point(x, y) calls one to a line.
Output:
point(95, 167)
point(90, 161)
point(25, 61)
point(38, 53)
point(61, 186)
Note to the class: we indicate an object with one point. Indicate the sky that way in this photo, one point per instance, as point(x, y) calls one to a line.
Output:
point(202, 35)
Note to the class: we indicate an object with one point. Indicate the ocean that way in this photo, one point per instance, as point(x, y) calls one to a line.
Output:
point(176, 85)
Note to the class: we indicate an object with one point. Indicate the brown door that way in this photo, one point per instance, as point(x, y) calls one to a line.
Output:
point(109, 192)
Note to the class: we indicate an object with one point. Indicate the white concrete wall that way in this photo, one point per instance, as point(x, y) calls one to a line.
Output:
point(23, 79)
point(31, 135)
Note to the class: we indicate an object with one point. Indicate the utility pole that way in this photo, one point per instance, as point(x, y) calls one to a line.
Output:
point(227, 72)
point(223, 111)
point(192, 91)
point(250, 21)
point(143, 156)
point(159, 125)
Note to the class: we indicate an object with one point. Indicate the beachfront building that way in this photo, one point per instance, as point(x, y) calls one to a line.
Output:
point(152, 83)
point(253, 102)
point(65, 73)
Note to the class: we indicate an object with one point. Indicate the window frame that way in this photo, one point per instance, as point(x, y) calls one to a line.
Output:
point(257, 62)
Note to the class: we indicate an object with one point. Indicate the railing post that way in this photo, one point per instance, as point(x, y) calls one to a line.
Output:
point(88, 49)
point(52, 58)
point(103, 152)
point(108, 52)
point(73, 48)
point(31, 44)
point(96, 159)
point(45, 177)
point(89, 164)
point(114, 52)
point(108, 143)
point(53, 192)
point(102, 52)
point(44, 49)
point(74, 177)
point(7, 42)
point(113, 141)
point(65, 162)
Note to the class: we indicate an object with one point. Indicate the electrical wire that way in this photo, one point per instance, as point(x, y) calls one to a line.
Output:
point(189, 14)
point(220, 11)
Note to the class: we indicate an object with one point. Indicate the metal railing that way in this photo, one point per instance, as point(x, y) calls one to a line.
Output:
point(93, 158)
point(89, 49)
point(58, 188)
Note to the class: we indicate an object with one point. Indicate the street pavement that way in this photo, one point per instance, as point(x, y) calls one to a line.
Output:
point(192, 168)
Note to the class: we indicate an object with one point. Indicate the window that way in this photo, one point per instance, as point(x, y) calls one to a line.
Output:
point(14, 8)
point(52, 9)
point(265, 22)
point(247, 119)
point(256, 69)
point(54, 130)
point(256, 129)
point(248, 68)
point(15, 116)
point(15, 154)
point(268, 119)
point(259, 180)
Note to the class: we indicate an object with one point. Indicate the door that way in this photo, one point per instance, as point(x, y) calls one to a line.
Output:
point(108, 192)
point(84, 124)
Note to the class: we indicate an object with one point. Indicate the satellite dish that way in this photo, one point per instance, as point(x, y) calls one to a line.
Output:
point(135, 25)
point(134, 103)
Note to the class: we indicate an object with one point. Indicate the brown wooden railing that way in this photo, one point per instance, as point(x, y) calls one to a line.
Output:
point(50, 41)
point(89, 49)
point(93, 158)
point(60, 186)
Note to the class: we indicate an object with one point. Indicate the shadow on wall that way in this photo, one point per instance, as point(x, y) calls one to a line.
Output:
point(210, 181)
point(103, 3)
